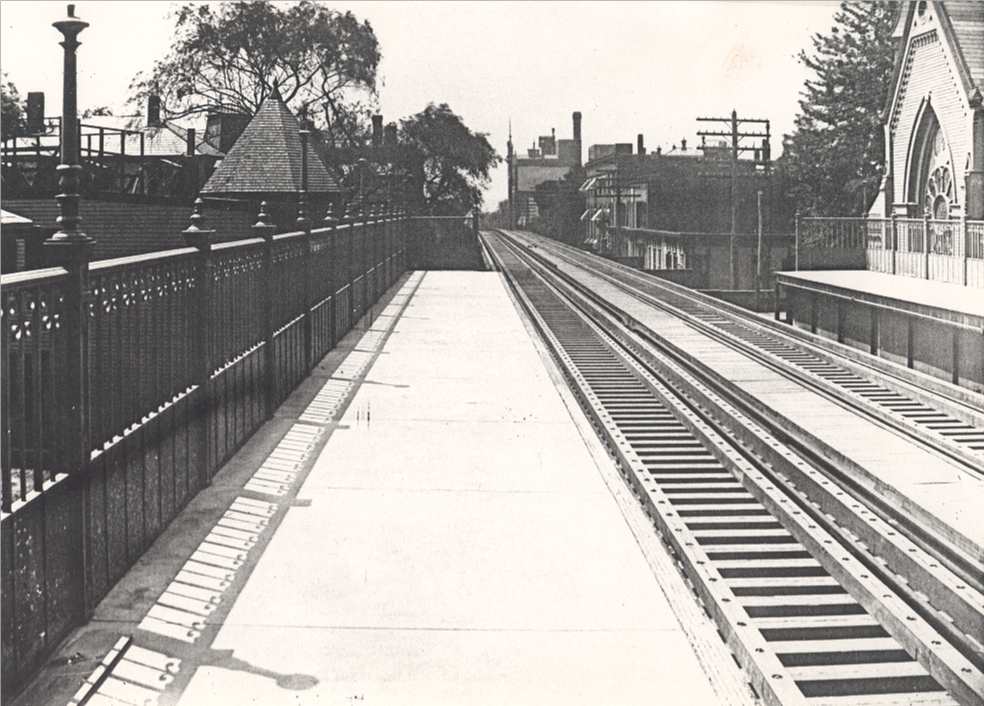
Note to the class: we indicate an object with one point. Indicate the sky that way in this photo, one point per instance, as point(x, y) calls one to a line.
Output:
point(632, 67)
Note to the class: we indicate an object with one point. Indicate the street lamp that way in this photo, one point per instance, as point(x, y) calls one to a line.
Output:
point(69, 168)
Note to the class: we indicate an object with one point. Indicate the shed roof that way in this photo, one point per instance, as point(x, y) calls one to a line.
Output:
point(267, 157)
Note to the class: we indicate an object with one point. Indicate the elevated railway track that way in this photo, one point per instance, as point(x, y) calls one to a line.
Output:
point(825, 591)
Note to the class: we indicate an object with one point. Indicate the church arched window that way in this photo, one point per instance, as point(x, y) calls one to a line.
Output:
point(931, 185)
point(938, 193)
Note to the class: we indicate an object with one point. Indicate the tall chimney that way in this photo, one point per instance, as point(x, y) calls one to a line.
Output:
point(577, 134)
point(683, 145)
point(377, 130)
point(190, 142)
point(640, 145)
point(153, 110)
point(35, 111)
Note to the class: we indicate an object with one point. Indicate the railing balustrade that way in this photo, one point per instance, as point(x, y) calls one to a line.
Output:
point(945, 250)
point(185, 362)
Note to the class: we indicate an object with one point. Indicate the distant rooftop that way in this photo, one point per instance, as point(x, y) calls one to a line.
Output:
point(267, 158)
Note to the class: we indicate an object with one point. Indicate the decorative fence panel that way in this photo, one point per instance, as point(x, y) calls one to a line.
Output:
point(187, 352)
point(942, 250)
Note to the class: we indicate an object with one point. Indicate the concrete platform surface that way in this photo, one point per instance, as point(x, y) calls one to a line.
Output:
point(907, 292)
point(454, 543)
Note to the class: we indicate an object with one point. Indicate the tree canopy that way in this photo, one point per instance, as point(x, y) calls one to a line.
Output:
point(833, 160)
point(229, 57)
point(449, 163)
point(12, 116)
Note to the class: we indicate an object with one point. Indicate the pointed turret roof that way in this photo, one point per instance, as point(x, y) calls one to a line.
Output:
point(267, 157)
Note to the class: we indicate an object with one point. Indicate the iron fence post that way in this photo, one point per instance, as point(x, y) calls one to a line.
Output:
point(263, 228)
point(70, 248)
point(965, 243)
point(366, 253)
point(349, 218)
point(894, 230)
point(199, 237)
point(331, 222)
point(926, 246)
point(390, 264)
point(304, 223)
point(796, 241)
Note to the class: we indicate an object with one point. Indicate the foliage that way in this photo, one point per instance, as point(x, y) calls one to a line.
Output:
point(12, 117)
point(560, 205)
point(449, 164)
point(833, 160)
point(97, 112)
point(230, 57)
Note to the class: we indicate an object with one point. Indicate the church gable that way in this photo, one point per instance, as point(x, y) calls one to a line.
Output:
point(930, 122)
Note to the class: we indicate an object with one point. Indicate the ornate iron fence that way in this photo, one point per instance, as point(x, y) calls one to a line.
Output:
point(183, 355)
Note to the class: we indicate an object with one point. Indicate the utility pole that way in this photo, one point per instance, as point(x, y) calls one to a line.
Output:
point(615, 187)
point(759, 129)
point(758, 256)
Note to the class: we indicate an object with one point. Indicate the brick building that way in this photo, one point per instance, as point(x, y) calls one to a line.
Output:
point(548, 160)
point(672, 210)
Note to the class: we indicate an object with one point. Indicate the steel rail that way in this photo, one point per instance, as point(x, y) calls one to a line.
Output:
point(963, 402)
point(963, 444)
point(942, 589)
point(947, 547)
point(945, 662)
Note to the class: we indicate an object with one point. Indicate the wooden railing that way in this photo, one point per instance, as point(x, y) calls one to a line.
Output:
point(183, 355)
point(944, 250)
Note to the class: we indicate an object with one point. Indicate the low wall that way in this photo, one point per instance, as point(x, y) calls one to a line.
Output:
point(939, 348)
point(125, 228)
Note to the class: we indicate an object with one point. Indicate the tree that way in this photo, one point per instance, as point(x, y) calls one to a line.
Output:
point(448, 163)
point(833, 160)
point(12, 116)
point(230, 57)
point(560, 204)
point(97, 112)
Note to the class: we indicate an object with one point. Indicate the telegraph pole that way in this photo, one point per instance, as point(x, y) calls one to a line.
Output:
point(758, 250)
point(759, 129)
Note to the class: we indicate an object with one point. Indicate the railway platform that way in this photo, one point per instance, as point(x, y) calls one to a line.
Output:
point(930, 326)
point(427, 520)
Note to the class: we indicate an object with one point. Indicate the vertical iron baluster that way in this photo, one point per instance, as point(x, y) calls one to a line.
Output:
point(22, 403)
point(36, 390)
point(6, 464)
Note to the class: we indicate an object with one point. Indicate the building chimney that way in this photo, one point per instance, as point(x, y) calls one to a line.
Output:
point(683, 145)
point(190, 142)
point(153, 110)
point(640, 145)
point(577, 135)
point(377, 130)
point(35, 111)
point(389, 135)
